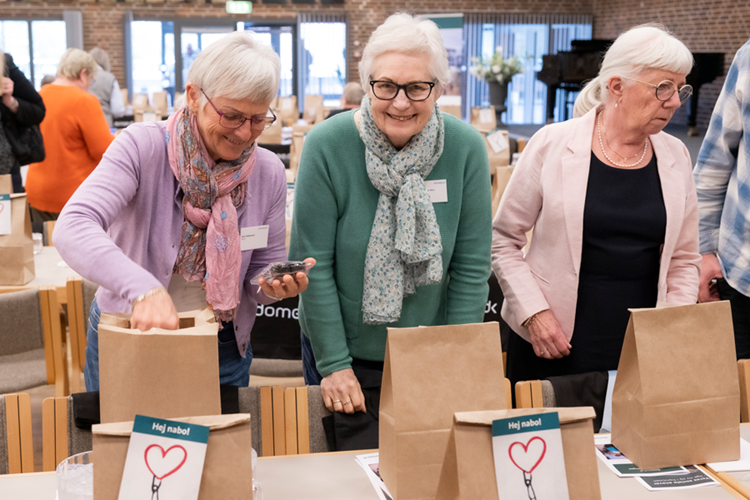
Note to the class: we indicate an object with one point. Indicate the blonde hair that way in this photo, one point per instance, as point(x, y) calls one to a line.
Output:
point(237, 66)
point(408, 35)
point(645, 47)
point(73, 61)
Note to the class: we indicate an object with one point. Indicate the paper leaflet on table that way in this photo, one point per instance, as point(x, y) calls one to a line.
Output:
point(620, 465)
point(693, 477)
point(369, 463)
point(529, 458)
point(164, 461)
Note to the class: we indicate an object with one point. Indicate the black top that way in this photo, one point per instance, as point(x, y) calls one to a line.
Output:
point(624, 222)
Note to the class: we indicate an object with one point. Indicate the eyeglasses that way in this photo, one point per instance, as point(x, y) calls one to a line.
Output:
point(666, 89)
point(415, 91)
point(257, 123)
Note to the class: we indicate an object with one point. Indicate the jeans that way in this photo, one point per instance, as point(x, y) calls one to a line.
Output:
point(233, 368)
point(312, 377)
point(740, 317)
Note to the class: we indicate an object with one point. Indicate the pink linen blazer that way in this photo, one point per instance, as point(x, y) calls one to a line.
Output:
point(547, 192)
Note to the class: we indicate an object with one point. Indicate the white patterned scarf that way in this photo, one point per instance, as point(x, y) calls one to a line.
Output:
point(405, 248)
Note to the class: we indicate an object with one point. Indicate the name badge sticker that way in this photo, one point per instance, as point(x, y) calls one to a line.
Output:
point(438, 190)
point(253, 237)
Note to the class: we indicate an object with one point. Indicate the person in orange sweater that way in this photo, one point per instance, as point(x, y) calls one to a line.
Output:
point(75, 133)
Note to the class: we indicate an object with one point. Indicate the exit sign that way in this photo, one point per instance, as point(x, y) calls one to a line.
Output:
point(239, 7)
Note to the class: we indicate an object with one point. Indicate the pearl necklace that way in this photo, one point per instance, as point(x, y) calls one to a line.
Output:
point(601, 143)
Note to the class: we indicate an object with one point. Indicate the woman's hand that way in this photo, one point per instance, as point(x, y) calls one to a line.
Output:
point(7, 91)
point(157, 311)
point(341, 392)
point(290, 287)
point(547, 337)
point(710, 269)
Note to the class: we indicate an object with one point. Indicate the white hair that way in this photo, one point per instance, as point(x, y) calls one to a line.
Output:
point(645, 47)
point(237, 66)
point(408, 35)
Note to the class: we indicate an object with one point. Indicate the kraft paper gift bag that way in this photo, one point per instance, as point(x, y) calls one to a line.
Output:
point(227, 470)
point(429, 374)
point(676, 400)
point(469, 469)
point(16, 248)
point(498, 148)
point(159, 373)
point(483, 118)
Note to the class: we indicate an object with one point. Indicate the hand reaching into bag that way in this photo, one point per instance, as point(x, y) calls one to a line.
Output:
point(155, 311)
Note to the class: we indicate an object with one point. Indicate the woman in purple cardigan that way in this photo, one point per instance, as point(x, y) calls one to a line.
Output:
point(157, 225)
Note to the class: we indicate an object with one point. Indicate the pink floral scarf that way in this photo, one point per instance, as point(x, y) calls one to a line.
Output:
point(210, 245)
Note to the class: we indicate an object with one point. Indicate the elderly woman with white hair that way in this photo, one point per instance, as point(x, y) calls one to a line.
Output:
point(612, 203)
point(157, 225)
point(393, 201)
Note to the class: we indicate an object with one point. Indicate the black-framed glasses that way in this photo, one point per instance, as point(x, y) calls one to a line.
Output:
point(666, 89)
point(386, 90)
point(229, 120)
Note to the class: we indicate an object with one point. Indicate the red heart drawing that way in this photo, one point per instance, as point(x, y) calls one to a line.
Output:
point(527, 456)
point(2, 207)
point(162, 464)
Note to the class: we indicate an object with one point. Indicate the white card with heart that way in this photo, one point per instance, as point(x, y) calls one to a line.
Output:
point(529, 459)
point(165, 460)
point(5, 219)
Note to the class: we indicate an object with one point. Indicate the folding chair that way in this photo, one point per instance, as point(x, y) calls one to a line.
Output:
point(16, 443)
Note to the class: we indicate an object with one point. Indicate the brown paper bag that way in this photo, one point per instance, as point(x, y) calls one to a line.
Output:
point(287, 111)
point(500, 158)
point(676, 400)
point(227, 470)
point(469, 469)
point(429, 374)
point(483, 118)
point(159, 373)
point(16, 248)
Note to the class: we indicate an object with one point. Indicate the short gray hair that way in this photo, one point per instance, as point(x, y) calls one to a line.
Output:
point(353, 93)
point(645, 47)
point(408, 35)
point(73, 61)
point(101, 57)
point(237, 66)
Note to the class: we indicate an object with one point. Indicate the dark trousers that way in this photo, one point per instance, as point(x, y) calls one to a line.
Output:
point(740, 317)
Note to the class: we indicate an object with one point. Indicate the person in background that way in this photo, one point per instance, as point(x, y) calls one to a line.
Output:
point(612, 203)
point(389, 254)
point(20, 106)
point(157, 225)
point(47, 79)
point(351, 98)
point(76, 135)
point(105, 87)
point(722, 178)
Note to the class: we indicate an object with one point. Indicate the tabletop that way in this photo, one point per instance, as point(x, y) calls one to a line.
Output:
point(50, 269)
point(337, 476)
point(740, 481)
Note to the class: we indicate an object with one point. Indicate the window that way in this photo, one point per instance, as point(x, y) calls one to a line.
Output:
point(36, 46)
point(528, 37)
point(322, 57)
point(281, 38)
point(153, 57)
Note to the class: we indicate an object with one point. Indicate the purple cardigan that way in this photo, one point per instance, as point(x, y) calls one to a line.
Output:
point(121, 228)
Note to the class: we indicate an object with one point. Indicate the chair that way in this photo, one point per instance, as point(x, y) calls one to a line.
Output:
point(531, 394)
point(16, 443)
point(743, 369)
point(159, 100)
point(125, 100)
point(287, 110)
point(60, 436)
point(31, 349)
point(80, 294)
point(291, 421)
point(313, 108)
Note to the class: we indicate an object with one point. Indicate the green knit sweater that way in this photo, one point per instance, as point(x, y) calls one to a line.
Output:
point(334, 209)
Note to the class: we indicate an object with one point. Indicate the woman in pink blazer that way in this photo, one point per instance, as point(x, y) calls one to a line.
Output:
point(611, 201)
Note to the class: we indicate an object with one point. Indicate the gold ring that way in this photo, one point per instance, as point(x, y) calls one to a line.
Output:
point(336, 401)
point(543, 353)
point(348, 402)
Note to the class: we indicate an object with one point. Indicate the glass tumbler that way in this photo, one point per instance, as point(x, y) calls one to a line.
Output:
point(75, 477)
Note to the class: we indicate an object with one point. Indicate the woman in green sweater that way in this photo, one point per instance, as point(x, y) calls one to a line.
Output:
point(393, 201)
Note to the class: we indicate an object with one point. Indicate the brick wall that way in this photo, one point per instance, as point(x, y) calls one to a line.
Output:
point(703, 25)
point(102, 20)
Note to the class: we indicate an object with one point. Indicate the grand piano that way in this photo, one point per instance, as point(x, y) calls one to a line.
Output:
point(568, 71)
